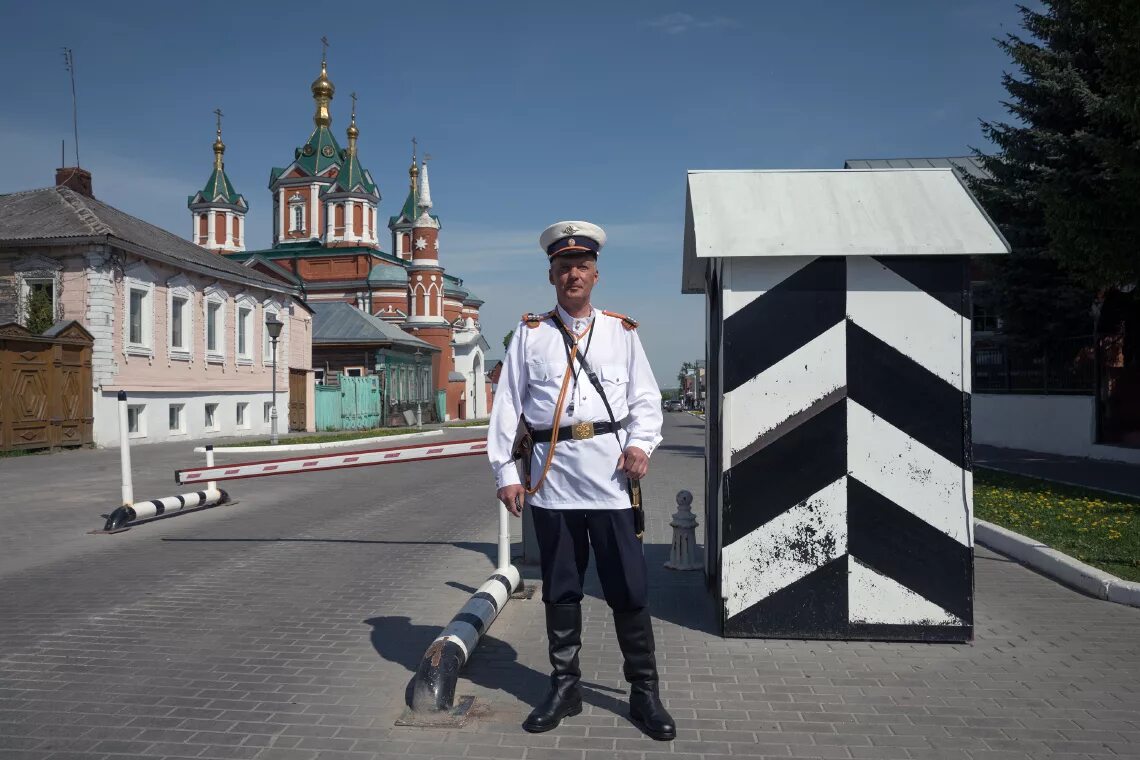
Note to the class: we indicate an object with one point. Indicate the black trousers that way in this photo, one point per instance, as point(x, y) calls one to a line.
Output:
point(564, 540)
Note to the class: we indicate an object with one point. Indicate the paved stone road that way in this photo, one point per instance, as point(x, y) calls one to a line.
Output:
point(288, 626)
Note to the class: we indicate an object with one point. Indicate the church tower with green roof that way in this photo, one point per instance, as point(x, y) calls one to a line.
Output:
point(218, 210)
point(324, 197)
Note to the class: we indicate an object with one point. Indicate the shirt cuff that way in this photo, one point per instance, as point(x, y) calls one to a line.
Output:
point(646, 446)
point(508, 475)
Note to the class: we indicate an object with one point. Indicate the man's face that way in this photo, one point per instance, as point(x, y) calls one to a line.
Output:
point(574, 276)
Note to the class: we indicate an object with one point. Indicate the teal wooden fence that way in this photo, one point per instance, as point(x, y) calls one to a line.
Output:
point(353, 405)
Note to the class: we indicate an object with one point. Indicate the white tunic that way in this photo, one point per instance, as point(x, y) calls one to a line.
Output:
point(584, 474)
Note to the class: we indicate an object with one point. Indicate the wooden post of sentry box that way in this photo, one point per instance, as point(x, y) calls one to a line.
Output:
point(839, 486)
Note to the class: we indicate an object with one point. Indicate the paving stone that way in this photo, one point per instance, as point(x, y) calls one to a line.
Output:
point(295, 640)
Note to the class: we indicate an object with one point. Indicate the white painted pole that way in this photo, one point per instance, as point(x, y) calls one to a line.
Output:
point(504, 537)
point(125, 452)
point(211, 485)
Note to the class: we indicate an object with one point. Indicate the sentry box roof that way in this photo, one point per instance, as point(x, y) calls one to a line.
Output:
point(842, 212)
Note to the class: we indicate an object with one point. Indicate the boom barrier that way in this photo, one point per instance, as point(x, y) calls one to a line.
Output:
point(325, 462)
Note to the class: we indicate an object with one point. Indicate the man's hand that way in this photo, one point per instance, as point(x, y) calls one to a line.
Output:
point(634, 462)
point(513, 497)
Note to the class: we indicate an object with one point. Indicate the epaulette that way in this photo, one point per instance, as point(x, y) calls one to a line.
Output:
point(628, 323)
point(534, 320)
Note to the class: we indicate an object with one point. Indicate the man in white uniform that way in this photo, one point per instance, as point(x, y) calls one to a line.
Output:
point(588, 448)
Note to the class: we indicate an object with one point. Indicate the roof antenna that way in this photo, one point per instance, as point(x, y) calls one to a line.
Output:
point(69, 64)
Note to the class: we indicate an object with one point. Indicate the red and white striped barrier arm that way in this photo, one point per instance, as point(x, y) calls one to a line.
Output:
point(325, 462)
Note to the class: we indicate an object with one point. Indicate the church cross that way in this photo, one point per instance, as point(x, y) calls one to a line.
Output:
point(218, 113)
point(324, 49)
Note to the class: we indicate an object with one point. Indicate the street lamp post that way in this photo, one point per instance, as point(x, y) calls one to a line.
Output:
point(273, 327)
point(418, 355)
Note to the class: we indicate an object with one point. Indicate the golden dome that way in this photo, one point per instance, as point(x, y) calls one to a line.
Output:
point(323, 90)
point(219, 150)
point(322, 85)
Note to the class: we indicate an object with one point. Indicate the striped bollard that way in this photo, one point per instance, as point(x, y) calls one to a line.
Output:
point(433, 692)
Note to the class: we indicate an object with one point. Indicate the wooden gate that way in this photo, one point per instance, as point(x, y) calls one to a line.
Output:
point(298, 392)
point(354, 404)
point(45, 387)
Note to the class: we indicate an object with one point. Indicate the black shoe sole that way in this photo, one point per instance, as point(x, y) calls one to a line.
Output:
point(543, 729)
point(661, 736)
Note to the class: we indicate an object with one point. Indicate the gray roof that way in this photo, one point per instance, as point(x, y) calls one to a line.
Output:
point(388, 273)
point(59, 215)
point(966, 164)
point(340, 322)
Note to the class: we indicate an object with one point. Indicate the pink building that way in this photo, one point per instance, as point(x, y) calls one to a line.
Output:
point(179, 328)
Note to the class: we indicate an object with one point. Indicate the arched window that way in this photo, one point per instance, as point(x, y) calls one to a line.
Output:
point(298, 217)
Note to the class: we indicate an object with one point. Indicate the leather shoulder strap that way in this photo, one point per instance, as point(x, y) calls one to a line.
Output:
point(628, 323)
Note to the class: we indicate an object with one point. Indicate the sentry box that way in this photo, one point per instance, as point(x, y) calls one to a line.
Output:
point(838, 497)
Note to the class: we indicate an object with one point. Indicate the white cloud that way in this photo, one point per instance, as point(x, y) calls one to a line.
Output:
point(679, 23)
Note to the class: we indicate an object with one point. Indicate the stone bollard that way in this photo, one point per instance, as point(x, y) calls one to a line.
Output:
point(684, 553)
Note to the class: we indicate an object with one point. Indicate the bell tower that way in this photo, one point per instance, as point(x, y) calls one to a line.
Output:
point(218, 210)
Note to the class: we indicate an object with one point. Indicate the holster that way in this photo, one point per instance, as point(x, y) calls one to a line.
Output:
point(638, 512)
point(523, 450)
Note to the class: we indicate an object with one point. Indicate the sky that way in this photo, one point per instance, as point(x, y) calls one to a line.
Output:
point(533, 113)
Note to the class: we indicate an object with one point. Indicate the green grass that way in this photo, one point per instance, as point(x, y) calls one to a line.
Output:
point(469, 423)
point(1097, 528)
point(327, 437)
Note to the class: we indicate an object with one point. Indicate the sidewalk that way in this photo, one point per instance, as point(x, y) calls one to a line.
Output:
point(1051, 673)
point(1091, 473)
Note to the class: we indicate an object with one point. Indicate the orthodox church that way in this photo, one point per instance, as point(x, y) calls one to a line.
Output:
point(326, 242)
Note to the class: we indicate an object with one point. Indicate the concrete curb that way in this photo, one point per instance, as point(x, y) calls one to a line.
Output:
point(315, 446)
point(1056, 565)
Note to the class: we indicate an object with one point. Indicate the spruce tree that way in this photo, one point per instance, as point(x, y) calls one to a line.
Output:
point(1066, 175)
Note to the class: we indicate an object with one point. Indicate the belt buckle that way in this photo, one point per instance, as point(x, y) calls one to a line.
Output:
point(583, 431)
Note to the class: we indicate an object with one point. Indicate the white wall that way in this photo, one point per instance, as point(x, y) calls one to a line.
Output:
point(156, 420)
point(1050, 424)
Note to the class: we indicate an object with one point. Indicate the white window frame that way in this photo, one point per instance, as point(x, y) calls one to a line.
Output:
point(32, 269)
point(241, 415)
point(245, 302)
point(180, 288)
point(206, 423)
point(266, 411)
point(296, 202)
point(139, 411)
point(214, 295)
point(139, 279)
point(181, 429)
point(268, 308)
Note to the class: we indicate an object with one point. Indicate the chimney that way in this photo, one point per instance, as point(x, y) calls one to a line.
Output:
point(75, 178)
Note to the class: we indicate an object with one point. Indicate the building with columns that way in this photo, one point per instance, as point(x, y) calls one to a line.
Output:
point(326, 242)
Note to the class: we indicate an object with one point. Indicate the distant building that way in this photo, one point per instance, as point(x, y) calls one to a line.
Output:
point(181, 330)
point(327, 244)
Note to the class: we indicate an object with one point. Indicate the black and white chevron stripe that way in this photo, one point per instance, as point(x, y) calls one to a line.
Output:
point(847, 494)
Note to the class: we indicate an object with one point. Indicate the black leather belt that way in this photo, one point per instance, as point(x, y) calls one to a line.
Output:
point(578, 432)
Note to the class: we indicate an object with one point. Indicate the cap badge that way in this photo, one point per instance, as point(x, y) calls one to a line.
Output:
point(571, 241)
point(569, 229)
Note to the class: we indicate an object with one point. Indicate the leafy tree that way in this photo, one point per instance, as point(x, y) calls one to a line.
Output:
point(40, 310)
point(1066, 177)
point(507, 339)
point(685, 367)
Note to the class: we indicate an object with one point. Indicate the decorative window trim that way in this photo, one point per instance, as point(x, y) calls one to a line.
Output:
point(269, 306)
point(217, 423)
point(31, 269)
point(296, 203)
point(180, 287)
point(243, 301)
point(139, 278)
point(214, 295)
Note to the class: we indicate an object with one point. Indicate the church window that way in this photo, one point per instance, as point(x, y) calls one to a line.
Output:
point(298, 217)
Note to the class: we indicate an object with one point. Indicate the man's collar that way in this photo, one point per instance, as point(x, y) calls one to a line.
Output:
point(569, 321)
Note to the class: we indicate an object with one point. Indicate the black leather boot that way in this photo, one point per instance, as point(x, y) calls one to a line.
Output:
point(635, 637)
point(564, 632)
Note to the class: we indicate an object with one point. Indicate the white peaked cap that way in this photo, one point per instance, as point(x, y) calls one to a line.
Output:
point(587, 237)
